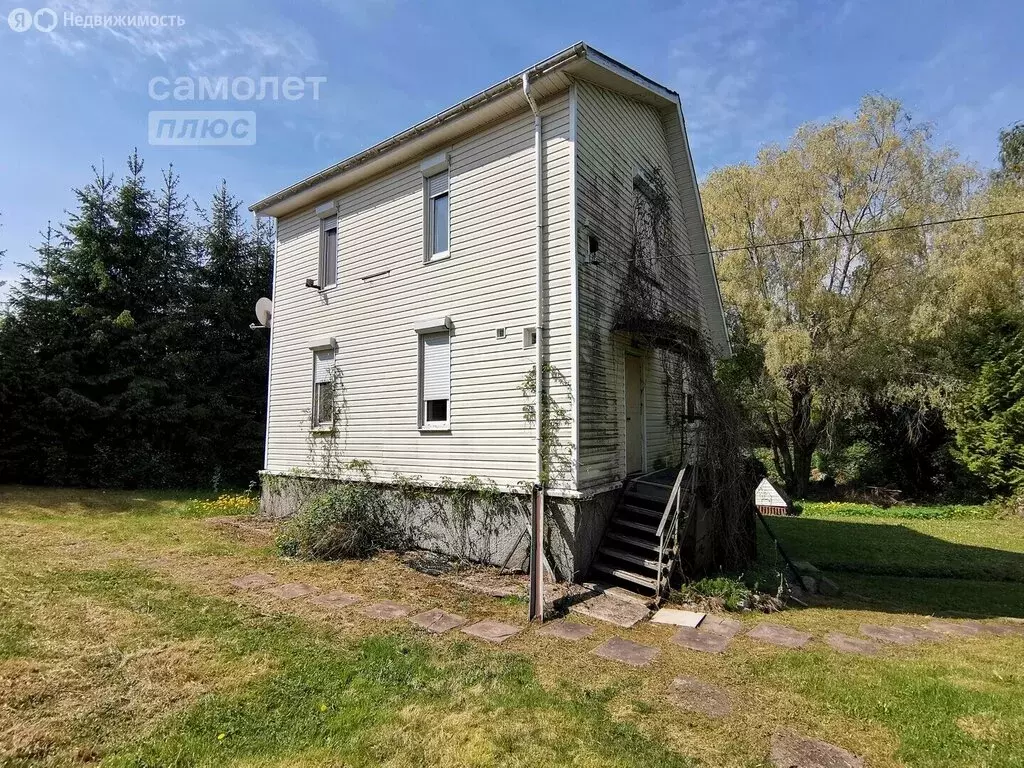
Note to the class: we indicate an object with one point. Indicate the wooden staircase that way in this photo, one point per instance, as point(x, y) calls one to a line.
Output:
point(640, 548)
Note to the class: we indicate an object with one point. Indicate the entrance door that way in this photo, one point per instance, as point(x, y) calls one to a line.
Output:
point(634, 414)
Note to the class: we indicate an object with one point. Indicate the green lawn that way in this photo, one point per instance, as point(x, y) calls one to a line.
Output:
point(121, 643)
point(969, 566)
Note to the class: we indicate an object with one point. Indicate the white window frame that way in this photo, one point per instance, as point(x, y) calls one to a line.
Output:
point(529, 337)
point(327, 214)
point(431, 168)
point(322, 348)
point(421, 339)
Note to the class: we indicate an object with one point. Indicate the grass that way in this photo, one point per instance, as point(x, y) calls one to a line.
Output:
point(120, 642)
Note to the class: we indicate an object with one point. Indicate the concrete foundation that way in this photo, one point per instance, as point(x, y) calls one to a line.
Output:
point(483, 527)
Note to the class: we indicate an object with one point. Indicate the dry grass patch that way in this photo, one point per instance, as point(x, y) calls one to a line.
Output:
point(93, 675)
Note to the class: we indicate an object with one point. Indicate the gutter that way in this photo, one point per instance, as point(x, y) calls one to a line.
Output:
point(537, 549)
point(579, 50)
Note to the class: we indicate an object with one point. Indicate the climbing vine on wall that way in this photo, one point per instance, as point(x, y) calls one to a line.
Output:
point(655, 310)
point(556, 454)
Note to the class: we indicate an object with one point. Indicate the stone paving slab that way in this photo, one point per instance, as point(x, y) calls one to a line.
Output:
point(693, 695)
point(336, 599)
point(791, 750)
point(925, 635)
point(292, 591)
point(677, 617)
point(1002, 630)
point(847, 644)
point(776, 634)
point(437, 621)
point(253, 581)
point(721, 625)
point(701, 640)
point(566, 630)
point(492, 631)
point(894, 635)
point(387, 610)
point(627, 652)
point(965, 629)
point(621, 613)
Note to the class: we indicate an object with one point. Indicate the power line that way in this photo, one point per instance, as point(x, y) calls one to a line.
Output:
point(854, 233)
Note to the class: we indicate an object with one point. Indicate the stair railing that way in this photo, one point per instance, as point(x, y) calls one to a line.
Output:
point(668, 528)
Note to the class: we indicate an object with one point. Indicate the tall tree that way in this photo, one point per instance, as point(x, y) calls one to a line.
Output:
point(126, 357)
point(827, 310)
point(973, 317)
point(1011, 153)
point(229, 377)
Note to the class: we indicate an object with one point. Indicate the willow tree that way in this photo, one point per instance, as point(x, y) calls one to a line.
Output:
point(823, 305)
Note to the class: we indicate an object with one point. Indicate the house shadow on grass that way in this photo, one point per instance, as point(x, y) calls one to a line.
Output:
point(891, 567)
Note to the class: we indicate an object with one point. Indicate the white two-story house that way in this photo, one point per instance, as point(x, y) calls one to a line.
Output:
point(418, 284)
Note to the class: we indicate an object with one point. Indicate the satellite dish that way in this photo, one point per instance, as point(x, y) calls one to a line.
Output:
point(265, 312)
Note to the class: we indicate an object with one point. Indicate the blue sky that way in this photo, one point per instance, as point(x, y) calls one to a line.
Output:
point(748, 73)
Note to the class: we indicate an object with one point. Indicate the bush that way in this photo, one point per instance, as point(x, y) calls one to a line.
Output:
point(347, 520)
point(990, 420)
point(733, 594)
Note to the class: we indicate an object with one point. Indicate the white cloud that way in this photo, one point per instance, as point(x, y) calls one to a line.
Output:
point(965, 94)
point(723, 64)
point(258, 44)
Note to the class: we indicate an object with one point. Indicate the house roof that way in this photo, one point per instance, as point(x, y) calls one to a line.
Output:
point(547, 78)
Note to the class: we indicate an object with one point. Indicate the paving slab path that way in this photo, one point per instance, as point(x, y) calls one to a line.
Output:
point(292, 591)
point(1002, 630)
point(253, 581)
point(961, 629)
point(336, 599)
point(387, 610)
point(701, 640)
point(692, 695)
point(437, 621)
point(678, 618)
point(621, 613)
point(627, 652)
point(492, 631)
point(776, 634)
point(721, 625)
point(791, 750)
point(894, 635)
point(848, 644)
point(566, 630)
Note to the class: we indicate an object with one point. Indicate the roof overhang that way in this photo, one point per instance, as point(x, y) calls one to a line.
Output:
point(547, 78)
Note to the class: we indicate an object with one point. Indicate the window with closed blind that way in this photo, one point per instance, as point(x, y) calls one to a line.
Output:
point(328, 272)
point(323, 388)
point(436, 188)
point(435, 380)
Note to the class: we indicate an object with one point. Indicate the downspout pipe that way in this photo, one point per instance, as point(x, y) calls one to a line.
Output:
point(537, 545)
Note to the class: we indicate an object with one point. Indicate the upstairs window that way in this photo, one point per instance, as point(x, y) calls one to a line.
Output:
point(327, 275)
point(435, 380)
point(323, 388)
point(437, 215)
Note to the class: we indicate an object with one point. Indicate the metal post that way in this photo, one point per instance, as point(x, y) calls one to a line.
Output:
point(537, 555)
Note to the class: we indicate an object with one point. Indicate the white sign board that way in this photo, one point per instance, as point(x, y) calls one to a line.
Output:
point(767, 496)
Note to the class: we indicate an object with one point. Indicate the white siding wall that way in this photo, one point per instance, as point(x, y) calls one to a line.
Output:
point(616, 138)
point(488, 282)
